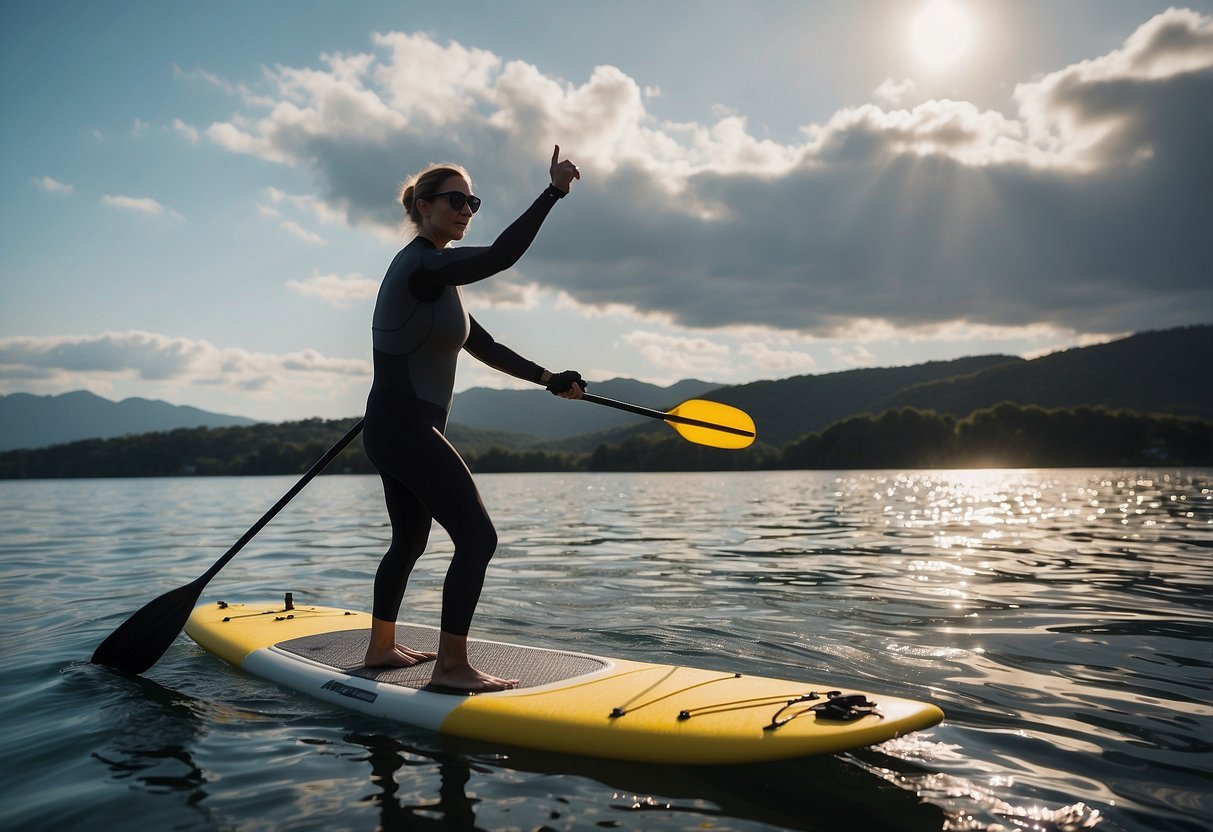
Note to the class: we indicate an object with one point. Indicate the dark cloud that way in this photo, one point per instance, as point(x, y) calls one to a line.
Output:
point(1089, 207)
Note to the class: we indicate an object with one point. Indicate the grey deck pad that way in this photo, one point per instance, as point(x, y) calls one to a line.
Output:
point(532, 666)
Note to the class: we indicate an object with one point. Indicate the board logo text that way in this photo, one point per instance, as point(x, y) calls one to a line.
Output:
point(349, 690)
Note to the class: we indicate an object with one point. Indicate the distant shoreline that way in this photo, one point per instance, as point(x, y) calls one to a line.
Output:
point(1007, 436)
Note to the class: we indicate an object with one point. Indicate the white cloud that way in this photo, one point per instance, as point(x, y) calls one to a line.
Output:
point(856, 355)
point(425, 81)
point(52, 186)
point(783, 362)
point(1114, 109)
point(330, 214)
point(1086, 208)
point(964, 332)
point(679, 354)
point(337, 290)
point(172, 362)
point(187, 130)
point(951, 130)
point(893, 92)
point(297, 230)
point(231, 137)
point(502, 293)
point(309, 208)
point(143, 205)
point(207, 77)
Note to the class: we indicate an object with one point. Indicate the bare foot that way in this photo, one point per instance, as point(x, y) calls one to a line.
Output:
point(396, 656)
point(383, 651)
point(454, 671)
point(469, 678)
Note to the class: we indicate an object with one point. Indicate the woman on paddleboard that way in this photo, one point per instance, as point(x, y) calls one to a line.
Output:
point(419, 328)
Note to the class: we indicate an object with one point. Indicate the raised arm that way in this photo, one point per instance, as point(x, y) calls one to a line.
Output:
point(461, 266)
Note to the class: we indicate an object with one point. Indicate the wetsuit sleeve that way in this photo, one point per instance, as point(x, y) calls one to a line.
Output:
point(461, 266)
point(499, 356)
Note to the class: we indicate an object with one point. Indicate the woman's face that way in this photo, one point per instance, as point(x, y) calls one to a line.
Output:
point(442, 223)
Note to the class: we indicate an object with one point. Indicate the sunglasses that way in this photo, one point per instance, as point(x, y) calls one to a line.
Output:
point(458, 199)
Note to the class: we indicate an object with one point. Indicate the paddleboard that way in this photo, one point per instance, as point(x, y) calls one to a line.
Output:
point(567, 702)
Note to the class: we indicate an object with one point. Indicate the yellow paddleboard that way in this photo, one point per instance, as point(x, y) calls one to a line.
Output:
point(574, 703)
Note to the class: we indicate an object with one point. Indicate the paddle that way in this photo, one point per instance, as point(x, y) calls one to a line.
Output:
point(702, 422)
point(144, 637)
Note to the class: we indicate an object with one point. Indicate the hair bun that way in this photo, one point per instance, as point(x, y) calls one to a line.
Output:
point(406, 198)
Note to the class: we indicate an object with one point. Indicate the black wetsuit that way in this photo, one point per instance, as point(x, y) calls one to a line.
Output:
point(420, 325)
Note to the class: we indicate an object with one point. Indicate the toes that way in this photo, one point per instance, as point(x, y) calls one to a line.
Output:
point(398, 657)
point(474, 681)
point(417, 656)
point(500, 684)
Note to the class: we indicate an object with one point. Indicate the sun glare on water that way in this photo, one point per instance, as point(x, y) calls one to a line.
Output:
point(940, 34)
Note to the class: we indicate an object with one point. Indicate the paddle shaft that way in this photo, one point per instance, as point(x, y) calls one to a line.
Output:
point(661, 414)
point(316, 468)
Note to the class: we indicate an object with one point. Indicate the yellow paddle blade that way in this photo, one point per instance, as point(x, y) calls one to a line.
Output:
point(718, 425)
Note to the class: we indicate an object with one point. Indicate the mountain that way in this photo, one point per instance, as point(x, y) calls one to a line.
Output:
point(31, 421)
point(789, 408)
point(1168, 371)
point(544, 416)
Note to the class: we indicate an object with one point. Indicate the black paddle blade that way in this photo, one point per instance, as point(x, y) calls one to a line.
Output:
point(145, 636)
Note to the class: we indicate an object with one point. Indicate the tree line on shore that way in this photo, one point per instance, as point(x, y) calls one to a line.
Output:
point(1008, 435)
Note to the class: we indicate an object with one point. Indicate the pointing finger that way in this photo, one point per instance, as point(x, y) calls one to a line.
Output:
point(556, 154)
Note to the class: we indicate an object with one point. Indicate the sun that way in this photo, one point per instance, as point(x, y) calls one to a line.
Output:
point(940, 34)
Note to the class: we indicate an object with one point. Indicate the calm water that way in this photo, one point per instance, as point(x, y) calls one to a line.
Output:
point(1060, 618)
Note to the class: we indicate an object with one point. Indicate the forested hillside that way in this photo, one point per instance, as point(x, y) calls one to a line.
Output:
point(1008, 435)
point(1154, 372)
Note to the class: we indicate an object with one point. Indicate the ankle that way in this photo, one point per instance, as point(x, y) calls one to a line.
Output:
point(383, 634)
point(452, 650)
point(446, 663)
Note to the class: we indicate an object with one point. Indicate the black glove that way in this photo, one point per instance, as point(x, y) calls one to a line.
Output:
point(563, 382)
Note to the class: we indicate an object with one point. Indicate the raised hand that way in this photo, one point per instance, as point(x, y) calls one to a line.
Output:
point(563, 173)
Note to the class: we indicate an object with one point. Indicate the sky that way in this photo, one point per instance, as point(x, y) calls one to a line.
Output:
point(198, 200)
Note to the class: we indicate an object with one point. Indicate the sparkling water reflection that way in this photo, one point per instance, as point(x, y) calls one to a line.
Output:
point(1060, 618)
